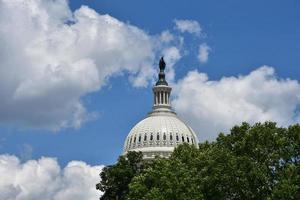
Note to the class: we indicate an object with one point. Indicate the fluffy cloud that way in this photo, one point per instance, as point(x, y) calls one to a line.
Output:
point(203, 53)
point(166, 36)
point(44, 179)
point(214, 106)
point(171, 56)
point(50, 57)
point(190, 26)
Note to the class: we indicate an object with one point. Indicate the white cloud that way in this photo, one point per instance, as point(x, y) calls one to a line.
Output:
point(44, 179)
point(214, 106)
point(166, 36)
point(171, 56)
point(50, 57)
point(203, 53)
point(190, 26)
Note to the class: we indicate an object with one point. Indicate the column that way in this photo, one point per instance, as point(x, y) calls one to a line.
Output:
point(159, 99)
point(167, 97)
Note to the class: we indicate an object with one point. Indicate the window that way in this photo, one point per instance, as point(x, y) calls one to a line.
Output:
point(182, 139)
point(134, 140)
point(128, 144)
point(177, 138)
point(140, 138)
point(188, 139)
point(171, 136)
point(165, 137)
point(145, 137)
point(151, 137)
point(192, 141)
point(157, 137)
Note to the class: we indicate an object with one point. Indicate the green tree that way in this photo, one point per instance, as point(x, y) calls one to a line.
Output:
point(116, 178)
point(173, 178)
point(251, 162)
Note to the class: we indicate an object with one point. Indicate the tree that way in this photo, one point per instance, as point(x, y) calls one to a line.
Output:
point(251, 162)
point(173, 178)
point(116, 178)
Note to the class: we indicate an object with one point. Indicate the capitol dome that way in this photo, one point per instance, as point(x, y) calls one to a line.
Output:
point(161, 131)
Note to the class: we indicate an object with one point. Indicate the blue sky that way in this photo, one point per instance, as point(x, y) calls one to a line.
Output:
point(76, 76)
point(242, 37)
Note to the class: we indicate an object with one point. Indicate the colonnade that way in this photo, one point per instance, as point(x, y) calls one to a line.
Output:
point(161, 97)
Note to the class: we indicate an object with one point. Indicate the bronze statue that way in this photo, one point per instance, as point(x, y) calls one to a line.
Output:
point(161, 75)
point(162, 64)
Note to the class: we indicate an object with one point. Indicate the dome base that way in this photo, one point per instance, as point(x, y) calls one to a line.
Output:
point(152, 152)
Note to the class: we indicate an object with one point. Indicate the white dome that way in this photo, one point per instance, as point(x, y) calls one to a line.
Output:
point(161, 130)
point(158, 134)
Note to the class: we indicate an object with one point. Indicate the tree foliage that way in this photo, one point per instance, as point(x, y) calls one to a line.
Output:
point(115, 179)
point(252, 162)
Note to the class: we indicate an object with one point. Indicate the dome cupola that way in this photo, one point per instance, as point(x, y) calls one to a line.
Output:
point(161, 131)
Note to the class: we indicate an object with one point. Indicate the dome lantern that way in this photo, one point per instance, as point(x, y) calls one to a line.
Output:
point(161, 90)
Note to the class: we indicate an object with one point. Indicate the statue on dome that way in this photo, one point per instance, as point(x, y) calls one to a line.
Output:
point(161, 75)
point(162, 64)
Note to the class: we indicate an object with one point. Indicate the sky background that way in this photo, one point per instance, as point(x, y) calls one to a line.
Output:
point(77, 76)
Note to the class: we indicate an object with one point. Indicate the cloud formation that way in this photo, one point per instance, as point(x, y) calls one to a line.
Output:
point(190, 26)
point(75, 182)
point(50, 57)
point(215, 106)
point(171, 55)
point(203, 53)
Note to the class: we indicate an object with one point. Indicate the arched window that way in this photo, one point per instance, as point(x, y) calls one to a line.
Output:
point(192, 141)
point(165, 137)
point(134, 140)
point(188, 139)
point(177, 138)
point(151, 137)
point(140, 138)
point(171, 136)
point(145, 137)
point(157, 137)
point(182, 139)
